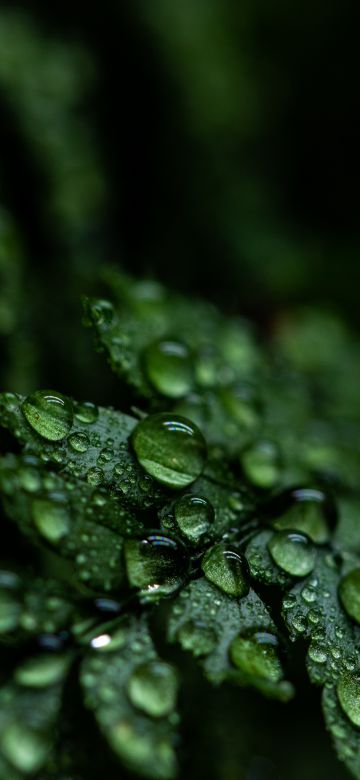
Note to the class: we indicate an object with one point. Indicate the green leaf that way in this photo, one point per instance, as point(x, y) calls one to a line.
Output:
point(96, 452)
point(207, 622)
point(133, 696)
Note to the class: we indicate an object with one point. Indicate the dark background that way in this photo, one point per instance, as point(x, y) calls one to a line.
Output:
point(211, 144)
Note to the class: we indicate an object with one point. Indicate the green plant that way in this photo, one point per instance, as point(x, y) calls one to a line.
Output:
point(220, 516)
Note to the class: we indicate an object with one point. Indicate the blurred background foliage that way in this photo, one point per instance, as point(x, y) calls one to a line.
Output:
point(210, 144)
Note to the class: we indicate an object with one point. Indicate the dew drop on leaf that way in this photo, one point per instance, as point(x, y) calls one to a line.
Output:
point(257, 654)
point(51, 517)
point(156, 564)
point(168, 366)
point(293, 552)
point(152, 687)
point(348, 691)
point(24, 748)
point(95, 476)
point(49, 413)
point(226, 568)
point(261, 463)
point(170, 448)
point(41, 671)
point(194, 516)
point(86, 412)
point(196, 637)
point(304, 509)
point(79, 441)
point(349, 593)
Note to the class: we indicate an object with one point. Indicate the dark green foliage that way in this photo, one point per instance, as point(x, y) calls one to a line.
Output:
point(109, 529)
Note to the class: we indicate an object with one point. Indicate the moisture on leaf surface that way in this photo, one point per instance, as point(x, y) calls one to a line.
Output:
point(211, 530)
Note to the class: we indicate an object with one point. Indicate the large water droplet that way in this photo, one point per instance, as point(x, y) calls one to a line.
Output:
point(293, 552)
point(256, 654)
point(304, 509)
point(261, 463)
point(152, 688)
point(156, 564)
point(349, 593)
point(51, 517)
point(226, 568)
point(170, 448)
point(49, 413)
point(348, 691)
point(194, 516)
point(24, 748)
point(169, 368)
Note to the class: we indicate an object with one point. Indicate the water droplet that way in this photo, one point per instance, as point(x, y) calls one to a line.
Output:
point(261, 463)
point(349, 593)
point(228, 569)
point(348, 691)
point(194, 516)
point(103, 312)
point(241, 403)
point(51, 517)
point(152, 688)
point(95, 476)
point(304, 509)
point(42, 671)
point(197, 638)
point(293, 552)
point(24, 748)
point(156, 564)
point(169, 368)
point(79, 441)
point(317, 653)
point(256, 655)
point(49, 413)
point(170, 448)
point(10, 611)
point(86, 412)
point(29, 479)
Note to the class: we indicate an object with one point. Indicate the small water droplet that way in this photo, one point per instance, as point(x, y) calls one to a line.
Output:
point(197, 637)
point(228, 569)
point(257, 654)
point(103, 312)
point(194, 516)
point(86, 412)
point(317, 653)
point(95, 476)
point(152, 688)
point(169, 368)
point(170, 448)
point(349, 593)
point(293, 552)
point(157, 564)
point(348, 691)
point(79, 441)
point(49, 413)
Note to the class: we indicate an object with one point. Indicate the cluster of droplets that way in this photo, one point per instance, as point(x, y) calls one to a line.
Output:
point(172, 451)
